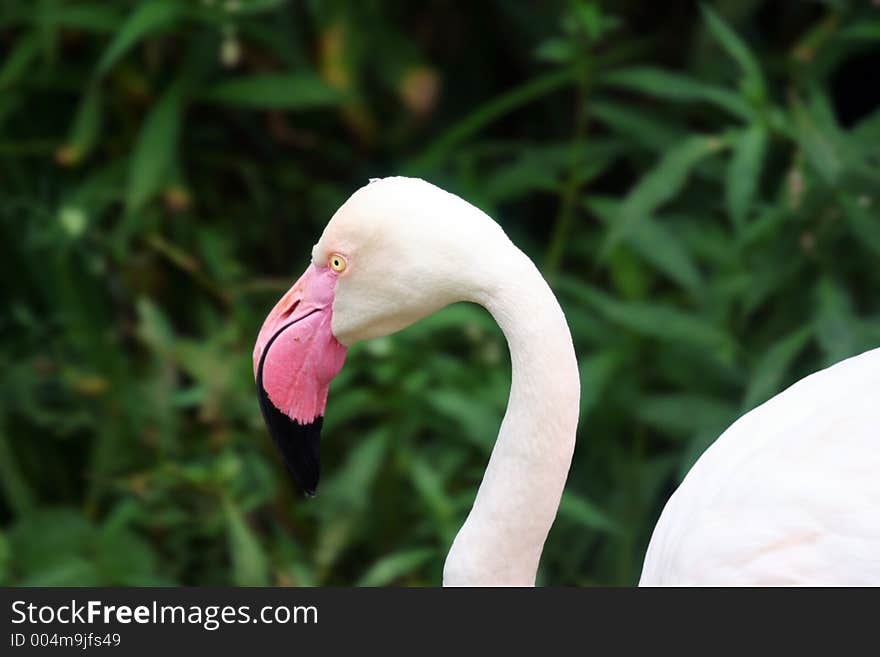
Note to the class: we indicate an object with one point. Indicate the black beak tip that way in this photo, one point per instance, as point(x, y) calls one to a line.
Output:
point(299, 444)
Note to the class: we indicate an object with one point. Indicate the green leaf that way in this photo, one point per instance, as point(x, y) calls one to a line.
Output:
point(677, 87)
point(217, 13)
point(630, 279)
point(770, 370)
point(148, 19)
point(346, 494)
point(75, 570)
point(654, 243)
point(156, 148)
point(864, 224)
point(543, 167)
point(744, 172)
point(249, 566)
point(736, 48)
point(487, 113)
point(153, 328)
point(666, 251)
point(86, 125)
point(275, 91)
point(351, 482)
point(125, 559)
point(18, 61)
point(656, 320)
point(479, 422)
point(428, 483)
point(637, 125)
point(248, 7)
point(815, 131)
point(556, 50)
point(597, 373)
point(98, 17)
point(394, 566)
point(837, 326)
point(864, 30)
point(581, 511)
point(35, 538)
point(684, 413)
point(666, 179)
point(659, 185)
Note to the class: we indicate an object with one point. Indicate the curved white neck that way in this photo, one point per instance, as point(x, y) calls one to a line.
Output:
point(503, 537)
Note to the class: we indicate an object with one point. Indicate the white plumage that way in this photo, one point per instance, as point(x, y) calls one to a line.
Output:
point(789, 494)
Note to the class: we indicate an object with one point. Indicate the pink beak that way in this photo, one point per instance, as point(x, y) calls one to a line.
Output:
point(295, 358)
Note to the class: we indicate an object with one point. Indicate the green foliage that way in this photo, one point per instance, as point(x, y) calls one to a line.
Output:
point(275, 91)
point(150, 18)
point(700, 187)
point(155, 149)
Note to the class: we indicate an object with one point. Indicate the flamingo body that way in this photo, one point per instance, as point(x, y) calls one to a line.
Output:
point(788, 495)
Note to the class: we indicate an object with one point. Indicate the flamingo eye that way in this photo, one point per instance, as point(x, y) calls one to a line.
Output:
point(337, 263)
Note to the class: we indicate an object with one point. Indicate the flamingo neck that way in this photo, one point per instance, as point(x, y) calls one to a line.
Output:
point(502, 539)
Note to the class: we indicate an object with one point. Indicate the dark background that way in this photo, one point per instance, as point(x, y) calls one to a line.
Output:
point(699, 185)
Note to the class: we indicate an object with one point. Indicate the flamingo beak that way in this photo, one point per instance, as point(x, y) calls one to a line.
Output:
point(295, 358)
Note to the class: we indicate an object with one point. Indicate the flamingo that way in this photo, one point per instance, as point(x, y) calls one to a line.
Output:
point(790, 494)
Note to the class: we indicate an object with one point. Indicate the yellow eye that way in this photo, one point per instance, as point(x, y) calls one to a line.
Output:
point(337, 263)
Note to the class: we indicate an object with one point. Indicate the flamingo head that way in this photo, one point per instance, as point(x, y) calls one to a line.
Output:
point(396, 251)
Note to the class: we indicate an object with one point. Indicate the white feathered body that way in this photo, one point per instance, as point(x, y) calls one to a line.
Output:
point(788, 495)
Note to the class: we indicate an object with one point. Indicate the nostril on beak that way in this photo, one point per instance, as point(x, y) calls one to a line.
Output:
point(287, 313)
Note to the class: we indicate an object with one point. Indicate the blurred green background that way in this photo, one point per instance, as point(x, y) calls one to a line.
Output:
point(700, 185)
